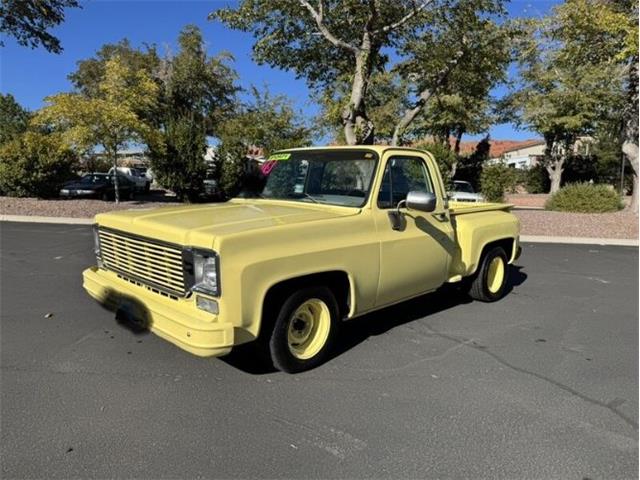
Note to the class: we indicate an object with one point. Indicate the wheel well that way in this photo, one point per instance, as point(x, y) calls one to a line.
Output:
point(336, 281)
point(505, 243)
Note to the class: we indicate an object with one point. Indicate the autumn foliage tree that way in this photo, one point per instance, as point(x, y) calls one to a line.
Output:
point(109, 118)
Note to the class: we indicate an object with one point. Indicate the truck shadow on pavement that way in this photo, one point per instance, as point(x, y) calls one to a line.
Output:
point(255, 361)
point(130, 313)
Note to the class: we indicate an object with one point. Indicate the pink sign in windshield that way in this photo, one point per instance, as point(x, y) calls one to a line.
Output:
point(268, 166)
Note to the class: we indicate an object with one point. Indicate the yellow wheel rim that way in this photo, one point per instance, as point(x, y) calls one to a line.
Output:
point(495, 275)
point(308, 329)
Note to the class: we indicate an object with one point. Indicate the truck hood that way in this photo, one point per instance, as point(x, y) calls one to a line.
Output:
point(198, 225)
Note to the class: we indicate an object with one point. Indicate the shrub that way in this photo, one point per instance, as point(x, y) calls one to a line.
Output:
point(585, 198)
point(536, 180)
point(495, 180)
point(35, 165)
point(445, 157)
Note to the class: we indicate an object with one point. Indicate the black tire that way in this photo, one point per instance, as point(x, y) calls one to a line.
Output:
point(104, 197)
point(483, 285)
point(282, 352)
point(147, 187)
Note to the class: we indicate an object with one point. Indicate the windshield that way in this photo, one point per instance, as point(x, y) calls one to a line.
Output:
point(331, 177)
point(91, 179)
point(463, 187)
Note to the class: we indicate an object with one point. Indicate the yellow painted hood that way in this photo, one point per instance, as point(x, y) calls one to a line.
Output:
point(199, 225)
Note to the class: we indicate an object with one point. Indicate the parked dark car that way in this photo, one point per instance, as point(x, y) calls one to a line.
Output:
point(98, 185)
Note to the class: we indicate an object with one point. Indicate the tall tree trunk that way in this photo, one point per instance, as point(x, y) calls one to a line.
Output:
point(409, 116)
point(454, 169)
point(423, 98)
point(630, 143)
point(358, 129)
point(634, 194)
point(554, 162)
point(456, 149)
point(116, 185)
point(555, 175)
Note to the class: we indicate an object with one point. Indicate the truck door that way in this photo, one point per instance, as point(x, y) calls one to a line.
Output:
point(414, 259)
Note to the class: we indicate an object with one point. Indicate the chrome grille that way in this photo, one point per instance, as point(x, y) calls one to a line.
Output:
point(150, 262)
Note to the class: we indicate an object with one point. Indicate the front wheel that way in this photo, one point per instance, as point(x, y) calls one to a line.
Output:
point(304, 330)
point(490, 281)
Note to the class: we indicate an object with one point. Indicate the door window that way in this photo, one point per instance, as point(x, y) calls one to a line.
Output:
point(401, 176)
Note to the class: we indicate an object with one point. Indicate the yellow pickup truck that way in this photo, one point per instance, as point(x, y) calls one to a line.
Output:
point(336, 232)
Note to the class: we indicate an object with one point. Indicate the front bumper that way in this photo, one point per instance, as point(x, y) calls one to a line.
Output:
point(176, 320)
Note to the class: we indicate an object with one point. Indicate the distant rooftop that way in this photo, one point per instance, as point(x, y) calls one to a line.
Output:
point(499, 147)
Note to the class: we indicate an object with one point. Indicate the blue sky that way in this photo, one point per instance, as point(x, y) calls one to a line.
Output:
point(30, 75)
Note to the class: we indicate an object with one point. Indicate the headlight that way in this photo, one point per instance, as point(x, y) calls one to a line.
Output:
point(96, 243)
point(206, 268)
point(85, 192)
point(64, 190)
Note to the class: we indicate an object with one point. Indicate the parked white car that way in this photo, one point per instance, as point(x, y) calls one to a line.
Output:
point(146, 171)
point(464, 192)
point(138, 178)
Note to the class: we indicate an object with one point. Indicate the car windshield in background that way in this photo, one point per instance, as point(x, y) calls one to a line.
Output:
point(463, 187)
point(92, 179)
point(330, 177)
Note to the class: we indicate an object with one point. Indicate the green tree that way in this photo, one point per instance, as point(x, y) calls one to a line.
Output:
point(602, 36)
point(266, 122)
point(452, 65)
point(35, 164)
point(441, 84)
point(29, 21)
point(197, 95)
point(446, 158)
point(573, 75)
point(328, 41)
point(495, 180)
point(14, 119)
point(386, 95)
point(109, 119)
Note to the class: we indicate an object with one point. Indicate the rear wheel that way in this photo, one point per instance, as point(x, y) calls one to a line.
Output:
point(490, 280)
point(304, 330)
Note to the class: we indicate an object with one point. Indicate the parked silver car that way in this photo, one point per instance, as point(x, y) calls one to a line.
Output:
point(464, 192)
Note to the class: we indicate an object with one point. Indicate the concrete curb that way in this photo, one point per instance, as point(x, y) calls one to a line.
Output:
point(579, 240)
point(523, 238)
point(37, 219)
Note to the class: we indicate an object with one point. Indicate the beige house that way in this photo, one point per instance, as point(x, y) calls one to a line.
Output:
point(523, 155)
point(526, 154)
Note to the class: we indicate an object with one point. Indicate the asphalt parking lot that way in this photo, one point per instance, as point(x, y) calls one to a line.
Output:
point(543, 384)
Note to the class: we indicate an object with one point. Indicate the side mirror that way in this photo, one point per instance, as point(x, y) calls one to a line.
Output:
point(422, 201)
